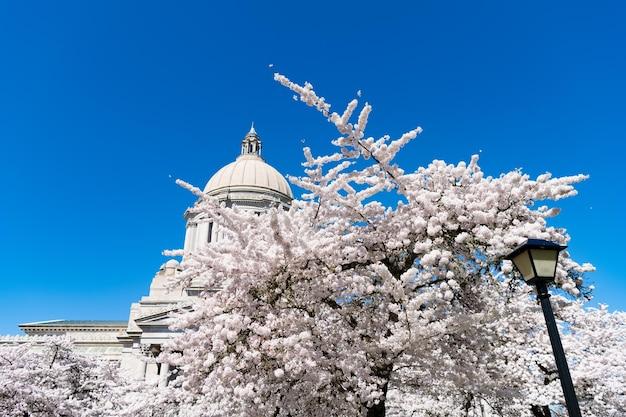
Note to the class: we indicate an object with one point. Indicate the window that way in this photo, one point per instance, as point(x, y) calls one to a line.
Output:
point(209, 235)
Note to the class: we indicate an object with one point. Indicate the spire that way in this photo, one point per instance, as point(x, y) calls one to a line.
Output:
point(251, 143)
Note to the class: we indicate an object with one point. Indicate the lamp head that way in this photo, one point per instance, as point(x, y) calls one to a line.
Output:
point(536, 259)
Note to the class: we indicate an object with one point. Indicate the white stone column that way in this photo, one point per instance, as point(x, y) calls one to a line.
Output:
point(187, 244)
point(152, 373)
point(202, 235)
point(193, 237)
point(142, 369)
point(216, 231)
point(165, 370)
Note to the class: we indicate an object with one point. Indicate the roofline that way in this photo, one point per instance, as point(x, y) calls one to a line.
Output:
point(75, 324)
point(164, 313)
point(35, 323)
point(245, 187)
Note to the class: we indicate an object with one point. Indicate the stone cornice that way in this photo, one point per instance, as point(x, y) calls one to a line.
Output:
point(47, 329)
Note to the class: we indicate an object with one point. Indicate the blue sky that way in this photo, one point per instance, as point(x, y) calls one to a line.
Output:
point(103, 104)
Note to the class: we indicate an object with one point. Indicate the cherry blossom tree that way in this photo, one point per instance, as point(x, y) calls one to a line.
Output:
point(593, 338)
point(325, 308)
point(380, 292)
point(596, 339)
point(46, 378)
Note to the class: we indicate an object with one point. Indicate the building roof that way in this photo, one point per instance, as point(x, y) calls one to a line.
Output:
point(249, 172)
point(77, 323)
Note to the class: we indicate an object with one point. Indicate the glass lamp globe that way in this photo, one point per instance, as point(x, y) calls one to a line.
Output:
point(536, 259)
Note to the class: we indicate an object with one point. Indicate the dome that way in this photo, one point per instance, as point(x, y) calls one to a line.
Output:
point(172, 263)
point(249, 173)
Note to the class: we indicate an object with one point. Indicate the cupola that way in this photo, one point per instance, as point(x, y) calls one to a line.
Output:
point(248, 183)
point(251, 143)
point(249, 173)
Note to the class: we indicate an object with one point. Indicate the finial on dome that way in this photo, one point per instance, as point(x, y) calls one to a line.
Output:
point(251, 144)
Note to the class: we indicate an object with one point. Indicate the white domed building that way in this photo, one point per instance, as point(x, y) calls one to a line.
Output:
point(249, 183)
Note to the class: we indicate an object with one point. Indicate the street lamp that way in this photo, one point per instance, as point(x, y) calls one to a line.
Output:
point(536, 260)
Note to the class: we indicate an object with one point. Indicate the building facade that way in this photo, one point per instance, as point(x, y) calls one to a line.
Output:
point(248, 183)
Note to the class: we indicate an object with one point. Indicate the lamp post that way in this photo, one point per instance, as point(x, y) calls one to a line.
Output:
point(536, 260)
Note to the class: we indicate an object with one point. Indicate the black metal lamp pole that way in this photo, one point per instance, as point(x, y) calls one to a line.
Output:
point(557, 348)
point(536, 260)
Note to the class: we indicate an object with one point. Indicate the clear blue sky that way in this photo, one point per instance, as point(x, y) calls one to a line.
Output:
point(101, 102)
